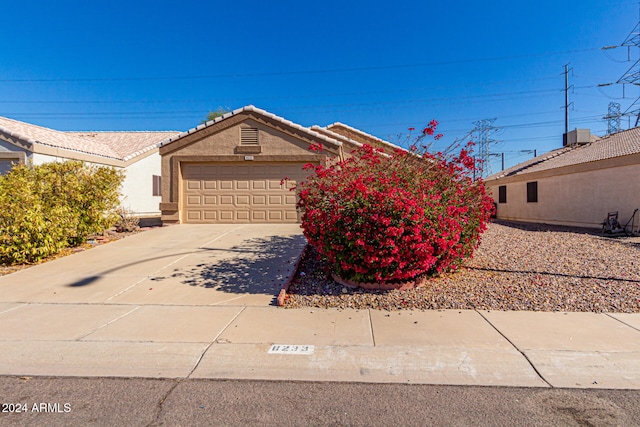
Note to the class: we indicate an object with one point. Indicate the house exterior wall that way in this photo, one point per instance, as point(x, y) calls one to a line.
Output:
point(137, 188)
point(579, 195)
point(10, 155)
point(221, 143)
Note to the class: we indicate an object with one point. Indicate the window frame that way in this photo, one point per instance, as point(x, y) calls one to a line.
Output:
point(532, 192)
point(502, 194)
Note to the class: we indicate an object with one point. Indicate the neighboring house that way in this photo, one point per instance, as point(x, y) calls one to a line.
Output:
point(354, 138)
point(134, 152)
point(576, 185)
point(229, 170)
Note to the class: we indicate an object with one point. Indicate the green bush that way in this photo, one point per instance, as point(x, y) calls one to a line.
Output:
point(53, 206)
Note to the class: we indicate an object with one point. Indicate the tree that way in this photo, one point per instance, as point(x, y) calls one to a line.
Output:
point(218, 112)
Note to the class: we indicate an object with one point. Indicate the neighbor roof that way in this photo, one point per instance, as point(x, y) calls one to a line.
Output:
point(351, 131)
point(113, 145)
point(253, 109)
point(618, 144)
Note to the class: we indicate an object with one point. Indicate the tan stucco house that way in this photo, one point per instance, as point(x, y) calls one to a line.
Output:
point(230, 170)
point(134, 152)
point(576, 185)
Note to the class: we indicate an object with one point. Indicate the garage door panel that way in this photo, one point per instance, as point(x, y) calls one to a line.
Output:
point(243, 215)
point(226, 215)
point(259, 185)
point(275, 215)
point(226, 200)
point(210, 200)
point(230, 193)
point(210, 215)
point(210, 185)
point(194, 185)
point(258, 216)
point(194, 215)
point(290, 199)
point(193, 200)
point(275, 200)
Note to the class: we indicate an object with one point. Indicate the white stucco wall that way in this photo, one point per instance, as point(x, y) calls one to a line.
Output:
point(579, 199)
point(137, 190)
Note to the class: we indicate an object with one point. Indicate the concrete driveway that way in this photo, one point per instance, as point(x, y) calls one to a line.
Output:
point(220, 264)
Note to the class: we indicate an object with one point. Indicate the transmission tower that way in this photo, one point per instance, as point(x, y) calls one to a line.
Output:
point(613, 118)
point(484, 129)
point(632, 75)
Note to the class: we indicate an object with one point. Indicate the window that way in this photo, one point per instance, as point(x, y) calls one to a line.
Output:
point(248, 136)
point(502, 194)
point(157, 185)
point(532, 192)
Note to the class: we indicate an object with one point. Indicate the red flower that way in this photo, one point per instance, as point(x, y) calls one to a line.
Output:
point(393, 218)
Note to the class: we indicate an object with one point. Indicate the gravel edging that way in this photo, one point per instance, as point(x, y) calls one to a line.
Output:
point(518, 266)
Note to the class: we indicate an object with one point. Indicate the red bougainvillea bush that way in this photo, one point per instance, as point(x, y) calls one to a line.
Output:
point(392, 218)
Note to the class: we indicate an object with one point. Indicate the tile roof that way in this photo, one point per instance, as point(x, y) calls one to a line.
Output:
point(337, 125)
point(251, 108)
point(618, 144)
point(114, 145)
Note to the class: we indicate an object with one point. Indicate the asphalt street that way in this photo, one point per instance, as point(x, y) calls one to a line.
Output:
point(164, 402)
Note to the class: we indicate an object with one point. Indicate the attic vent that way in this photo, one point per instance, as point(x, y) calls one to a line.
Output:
point(248, 136)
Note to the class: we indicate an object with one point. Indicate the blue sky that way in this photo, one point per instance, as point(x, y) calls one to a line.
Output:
point(378, 66)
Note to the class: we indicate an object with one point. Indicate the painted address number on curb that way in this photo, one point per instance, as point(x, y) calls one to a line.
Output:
point(291, 349)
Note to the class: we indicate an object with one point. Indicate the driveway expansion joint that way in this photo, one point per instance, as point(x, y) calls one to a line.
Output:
point(535, 369)
point(623, 322)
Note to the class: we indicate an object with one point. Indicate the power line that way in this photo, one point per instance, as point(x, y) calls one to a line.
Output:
point(291, 73)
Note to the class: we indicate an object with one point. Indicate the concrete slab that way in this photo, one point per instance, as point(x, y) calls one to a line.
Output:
point(168, 324)
point(570, 369)
point(67, 289)
point(100, 359)
point(247, 300)
point(631, 319)
point(6, 307)
point(301, 326)
point(565, 331)
point(57, 321)
point(388, 364)
point(240, 263)
point(174, 291)
point(449, 328)
point(230, 260)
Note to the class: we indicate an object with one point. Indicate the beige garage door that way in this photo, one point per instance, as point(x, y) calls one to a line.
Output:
point(239, 192)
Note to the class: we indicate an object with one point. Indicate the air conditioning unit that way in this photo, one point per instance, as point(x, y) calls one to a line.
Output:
point(576, 136)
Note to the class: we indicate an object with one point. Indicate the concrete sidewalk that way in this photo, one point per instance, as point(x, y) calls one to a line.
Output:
point(582, 350)
point(197, 302)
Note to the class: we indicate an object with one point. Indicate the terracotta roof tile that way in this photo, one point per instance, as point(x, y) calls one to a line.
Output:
point(619, 144)
point(251, 108)
point(114, 145)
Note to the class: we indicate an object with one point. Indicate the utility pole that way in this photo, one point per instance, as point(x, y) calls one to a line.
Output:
point(566, 99)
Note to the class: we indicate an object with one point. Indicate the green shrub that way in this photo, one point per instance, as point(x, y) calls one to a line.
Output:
point(53, 206)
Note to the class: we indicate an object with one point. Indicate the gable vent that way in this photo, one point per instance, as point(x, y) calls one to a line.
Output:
point(248, 136)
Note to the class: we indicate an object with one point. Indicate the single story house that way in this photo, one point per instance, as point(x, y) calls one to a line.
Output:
point(134, 152)
point(576, 185)
point(230, 170)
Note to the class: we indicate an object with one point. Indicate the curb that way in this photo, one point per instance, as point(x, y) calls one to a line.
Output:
point(282, 296)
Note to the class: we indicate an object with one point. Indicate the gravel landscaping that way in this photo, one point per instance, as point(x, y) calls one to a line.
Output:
point(517, 267)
